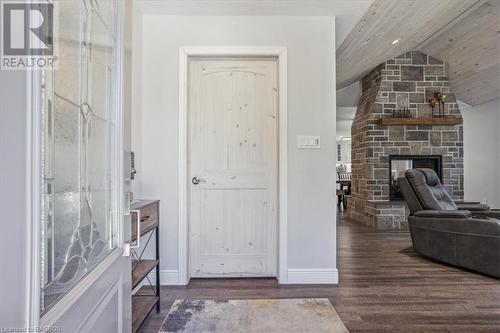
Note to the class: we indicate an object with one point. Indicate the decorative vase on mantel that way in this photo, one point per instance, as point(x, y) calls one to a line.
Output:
point(440, 100)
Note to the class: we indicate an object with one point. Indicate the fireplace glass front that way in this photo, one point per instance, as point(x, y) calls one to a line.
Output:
point(398, 164)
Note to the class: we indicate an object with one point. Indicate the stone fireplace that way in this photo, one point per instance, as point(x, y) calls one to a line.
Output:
point(407, 81)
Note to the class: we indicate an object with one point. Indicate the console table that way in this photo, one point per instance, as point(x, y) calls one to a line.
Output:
point(145, 220)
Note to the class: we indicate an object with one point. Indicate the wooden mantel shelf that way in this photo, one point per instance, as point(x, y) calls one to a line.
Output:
point(444, 121)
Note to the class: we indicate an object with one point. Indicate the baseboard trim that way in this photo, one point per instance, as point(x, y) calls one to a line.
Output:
point(313, 276)
point(168, 277)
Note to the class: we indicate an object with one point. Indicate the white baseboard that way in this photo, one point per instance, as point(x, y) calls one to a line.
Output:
point(313, 276)
point(168, 277)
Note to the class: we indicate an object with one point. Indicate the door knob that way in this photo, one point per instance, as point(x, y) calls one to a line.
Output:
point(197, 180)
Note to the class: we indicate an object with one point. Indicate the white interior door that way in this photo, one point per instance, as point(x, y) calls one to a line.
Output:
point(233, 149)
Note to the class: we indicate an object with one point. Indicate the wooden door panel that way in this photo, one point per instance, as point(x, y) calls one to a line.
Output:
point(235, 128)
point(232, 222)
point(233, 106)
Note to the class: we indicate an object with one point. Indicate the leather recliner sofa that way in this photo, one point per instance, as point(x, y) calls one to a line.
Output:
point(442, 230)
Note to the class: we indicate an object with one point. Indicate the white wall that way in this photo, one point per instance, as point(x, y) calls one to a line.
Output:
point(136, 98)
point(482, 152)
point(14, 192)
point(349, 96)
point(345, 116)
point(311, 110)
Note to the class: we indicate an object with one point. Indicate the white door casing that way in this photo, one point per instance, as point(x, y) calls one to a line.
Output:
point(233, 111)
point(184, 182)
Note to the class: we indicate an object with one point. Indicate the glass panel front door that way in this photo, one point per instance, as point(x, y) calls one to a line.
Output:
point(79, 219)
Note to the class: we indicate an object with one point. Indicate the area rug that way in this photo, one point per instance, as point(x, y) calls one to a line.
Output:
point(257, 315)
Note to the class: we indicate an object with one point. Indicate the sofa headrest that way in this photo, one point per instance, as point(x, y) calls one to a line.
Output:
point(431, 177)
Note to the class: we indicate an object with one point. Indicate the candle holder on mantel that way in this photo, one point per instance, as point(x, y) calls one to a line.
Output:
point(401, 113)
point(438, 99)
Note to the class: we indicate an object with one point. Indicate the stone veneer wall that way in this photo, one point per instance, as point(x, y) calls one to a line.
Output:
point(409, 80)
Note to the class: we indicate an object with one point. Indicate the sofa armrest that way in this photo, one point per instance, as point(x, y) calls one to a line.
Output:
point(486, 226)
point(466, 202)
point(493, 213)
point(453, 214)
point(473, 207)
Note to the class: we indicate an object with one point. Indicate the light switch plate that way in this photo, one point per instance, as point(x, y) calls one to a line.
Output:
point(308, 142)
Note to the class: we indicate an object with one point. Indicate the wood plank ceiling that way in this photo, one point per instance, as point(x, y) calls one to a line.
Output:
point(464, 33)
point(471, 47)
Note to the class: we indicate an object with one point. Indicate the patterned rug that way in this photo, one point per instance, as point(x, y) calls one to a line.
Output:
point(259, 316)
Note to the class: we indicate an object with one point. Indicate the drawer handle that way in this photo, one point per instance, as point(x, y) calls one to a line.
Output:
point(144, 218)
point(138, 232)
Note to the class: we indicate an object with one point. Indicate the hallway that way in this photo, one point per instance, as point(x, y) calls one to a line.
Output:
point(384, 286)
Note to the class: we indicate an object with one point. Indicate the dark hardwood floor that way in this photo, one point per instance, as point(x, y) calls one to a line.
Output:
point(384, 287)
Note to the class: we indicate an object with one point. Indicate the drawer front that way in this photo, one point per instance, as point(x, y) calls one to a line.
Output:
point(149, 219)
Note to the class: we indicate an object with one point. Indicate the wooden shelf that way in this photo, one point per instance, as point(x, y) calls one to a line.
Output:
point(141, 269)
point(445, 121)
point(141, 306)
point(146, 215)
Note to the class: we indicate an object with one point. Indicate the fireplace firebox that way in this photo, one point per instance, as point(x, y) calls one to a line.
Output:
point(398, 164)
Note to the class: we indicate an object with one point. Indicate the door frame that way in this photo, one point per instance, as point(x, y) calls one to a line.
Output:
point(34, 106)
point(183, 224)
